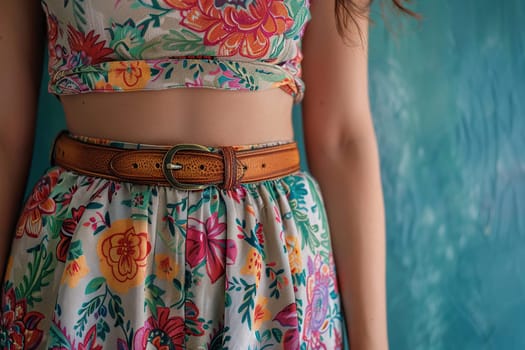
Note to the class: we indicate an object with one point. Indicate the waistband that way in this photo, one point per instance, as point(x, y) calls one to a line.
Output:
point(182, 166)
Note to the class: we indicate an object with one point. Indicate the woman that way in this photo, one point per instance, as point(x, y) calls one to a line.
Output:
point(216, 246)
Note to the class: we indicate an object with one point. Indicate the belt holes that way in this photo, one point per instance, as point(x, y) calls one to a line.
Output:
point(245, 167)
point(263, 165)
point(202, 167)
point(135, 165)
point(157, 165)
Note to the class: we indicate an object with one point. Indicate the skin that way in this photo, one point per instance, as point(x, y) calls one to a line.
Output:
point(343, 156)
point(339, 138)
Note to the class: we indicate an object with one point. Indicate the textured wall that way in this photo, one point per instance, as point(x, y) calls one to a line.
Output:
point(448, 102)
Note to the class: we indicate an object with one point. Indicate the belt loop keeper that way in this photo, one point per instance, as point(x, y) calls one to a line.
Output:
point(54, 148)
point(230, 168)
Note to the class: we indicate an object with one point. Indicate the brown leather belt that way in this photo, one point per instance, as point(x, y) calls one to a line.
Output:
point(183, 166)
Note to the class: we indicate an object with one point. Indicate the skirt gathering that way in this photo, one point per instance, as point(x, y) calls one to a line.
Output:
point(103, 264)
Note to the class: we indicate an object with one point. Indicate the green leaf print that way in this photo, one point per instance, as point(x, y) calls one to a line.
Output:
point(99, 229)
point(299, 278)
point(252, 238)
point(168, 73)
point(75, 250)
point(264, 337)
point(116, 302)
point(154, 18)
point(308, 231)
point(227, 300)
point(277, 46)
point(248, 302)
point(185, 41)
point(94, 205)
point(87, 309)
point(53, 225)
point(92, 79)
point(277, 334)
point(57, 338)
point(319, 209)
point(102, 329)
point(79, 14)
point(127, 41)
point(217, 341)
point(277, 281)
point(174, 223)
point(240, 72)
point(40, 270)
point(152, 4)
point(107, 219)
point(98, 304)
point(95, 285)
point(299, 306)
point(313, 235)
point(153, 296)
point(300, 18)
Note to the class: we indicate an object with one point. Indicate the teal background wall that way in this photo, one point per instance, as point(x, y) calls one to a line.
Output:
point(448, 102)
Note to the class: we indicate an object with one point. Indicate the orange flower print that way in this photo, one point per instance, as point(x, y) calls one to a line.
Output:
point(39, 203)
point(127, 75)
point(75, 270)
point(294, 254)
point(101, 85)
point(237, 30)
point(167, 268)
point(180, 4)
point(253, 265)
point(123, 251)
point(261, 312)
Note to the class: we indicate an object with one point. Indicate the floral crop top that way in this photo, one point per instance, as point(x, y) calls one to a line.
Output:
point(131, 45)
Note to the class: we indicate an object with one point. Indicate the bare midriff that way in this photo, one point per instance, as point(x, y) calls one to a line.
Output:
point(203, 116)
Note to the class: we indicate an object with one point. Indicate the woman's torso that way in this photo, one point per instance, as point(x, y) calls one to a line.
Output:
point(205, 116)
point(238, 46)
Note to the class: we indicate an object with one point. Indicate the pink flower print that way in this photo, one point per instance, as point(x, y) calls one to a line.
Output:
point(194, 83)
point(238, 193)
point(287, 317)
point(162, 332)
point(204, 242)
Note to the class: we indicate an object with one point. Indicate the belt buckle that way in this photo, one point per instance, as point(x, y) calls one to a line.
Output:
point(168, 166)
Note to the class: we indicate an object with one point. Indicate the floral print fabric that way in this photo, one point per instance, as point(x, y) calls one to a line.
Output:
point(100, 264)
point(130, 45)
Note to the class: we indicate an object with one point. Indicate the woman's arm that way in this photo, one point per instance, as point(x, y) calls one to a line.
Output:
point(21, 46)
point(342, 155)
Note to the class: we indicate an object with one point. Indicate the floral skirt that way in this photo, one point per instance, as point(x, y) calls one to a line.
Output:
point(100, 264)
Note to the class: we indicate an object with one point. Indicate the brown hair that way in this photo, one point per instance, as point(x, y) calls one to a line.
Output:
point(349, 10)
